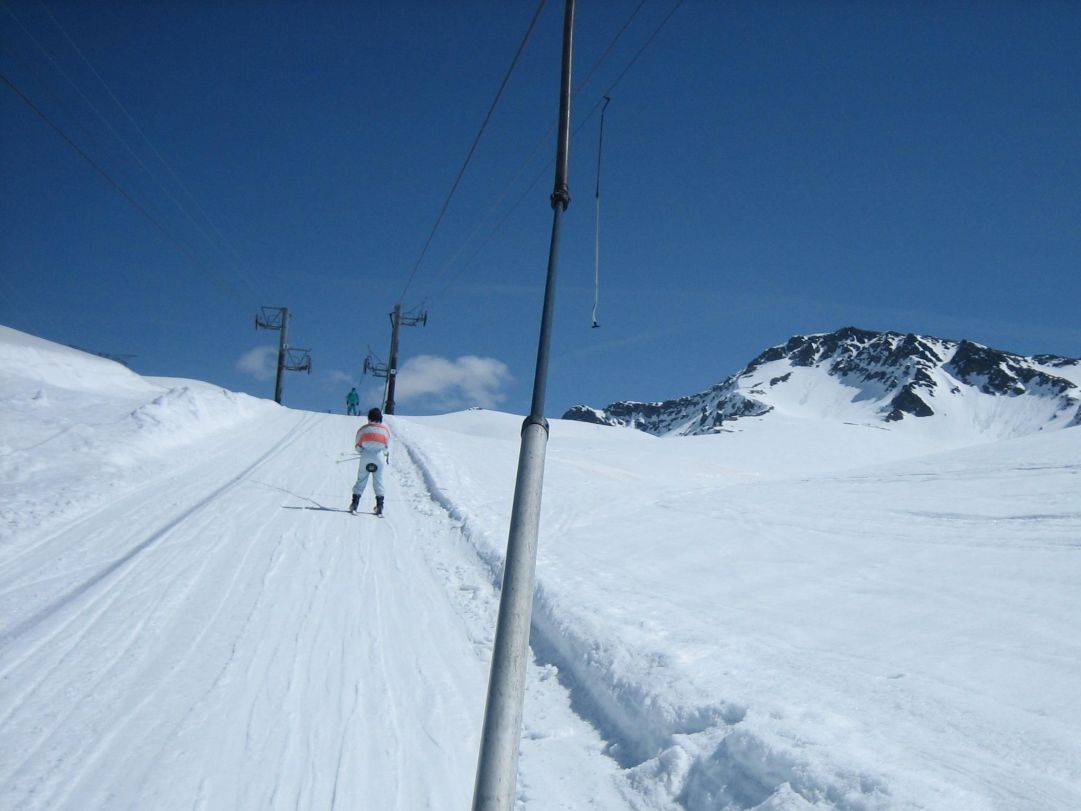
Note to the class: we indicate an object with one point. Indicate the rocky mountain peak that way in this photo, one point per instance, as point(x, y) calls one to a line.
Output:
point(882, 376)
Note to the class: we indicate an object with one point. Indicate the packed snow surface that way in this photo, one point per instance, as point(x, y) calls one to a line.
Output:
point(799, 614)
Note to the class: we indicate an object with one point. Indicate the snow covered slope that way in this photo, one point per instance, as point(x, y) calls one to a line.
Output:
point(890, 636)
point(189, 620)
point(772, 619)
point(75, 424)
point(956, 392)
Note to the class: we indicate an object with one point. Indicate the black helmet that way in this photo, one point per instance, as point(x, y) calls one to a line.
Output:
point(375, 415)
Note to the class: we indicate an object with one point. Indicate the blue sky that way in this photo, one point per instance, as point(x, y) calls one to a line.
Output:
point(770, 168)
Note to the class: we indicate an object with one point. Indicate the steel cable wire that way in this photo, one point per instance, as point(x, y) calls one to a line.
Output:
point(529, 190)
point(473, 148)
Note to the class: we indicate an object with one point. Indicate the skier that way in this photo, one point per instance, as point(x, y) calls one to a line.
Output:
point(352, 400)
point(373, 445)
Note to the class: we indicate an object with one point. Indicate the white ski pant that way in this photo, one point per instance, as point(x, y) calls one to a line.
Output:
point(368, 458)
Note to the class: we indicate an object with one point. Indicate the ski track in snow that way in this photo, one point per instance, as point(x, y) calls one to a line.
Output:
point(121, 564)
point(220, 637)
point(118, 610)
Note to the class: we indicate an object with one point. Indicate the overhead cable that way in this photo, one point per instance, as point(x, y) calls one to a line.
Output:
point(120, 189)
point(450, 283)
point(234, 256)
point(589, 75)
point(634, 59)
point(473, 148)
point(536, 149)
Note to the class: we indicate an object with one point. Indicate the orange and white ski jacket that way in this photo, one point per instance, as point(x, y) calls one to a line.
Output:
point(374, 436)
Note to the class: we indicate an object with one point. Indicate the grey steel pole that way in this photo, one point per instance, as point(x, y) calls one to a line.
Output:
point(281, 356)
point(392, 366)
point(497, 766)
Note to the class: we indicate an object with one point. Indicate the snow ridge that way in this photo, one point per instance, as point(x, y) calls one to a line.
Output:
point(61, 404)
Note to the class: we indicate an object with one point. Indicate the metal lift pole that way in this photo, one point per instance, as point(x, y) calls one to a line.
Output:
point(281, 356)
point(497, 767)
point(392, 363)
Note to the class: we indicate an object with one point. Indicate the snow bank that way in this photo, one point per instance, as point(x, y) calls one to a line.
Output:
point(72, 423)
point(27, 362)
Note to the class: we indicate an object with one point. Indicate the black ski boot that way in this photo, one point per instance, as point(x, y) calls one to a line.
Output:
point(353, 503)
point(378, 505)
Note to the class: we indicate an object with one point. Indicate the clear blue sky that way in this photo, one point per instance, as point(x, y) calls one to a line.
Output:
point(770, 168)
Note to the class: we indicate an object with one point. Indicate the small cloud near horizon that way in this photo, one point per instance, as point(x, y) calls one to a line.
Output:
point(467, 381)
point(260, 363)
point(336, 377)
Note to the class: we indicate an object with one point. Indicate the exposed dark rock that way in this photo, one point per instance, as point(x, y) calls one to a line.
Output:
point(1000, 373)
point(905, 372)
point(1055, 361)
point(585, 414)
point(908, 402)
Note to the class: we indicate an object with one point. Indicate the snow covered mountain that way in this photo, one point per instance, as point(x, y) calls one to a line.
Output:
point(852, 375)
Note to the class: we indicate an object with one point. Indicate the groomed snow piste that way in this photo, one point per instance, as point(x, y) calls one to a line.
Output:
point(797, 615)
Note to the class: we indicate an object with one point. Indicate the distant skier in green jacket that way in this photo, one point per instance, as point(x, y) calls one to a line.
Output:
point(352, 402)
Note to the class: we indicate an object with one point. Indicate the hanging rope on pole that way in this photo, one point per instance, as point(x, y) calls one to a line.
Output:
point(597, 221)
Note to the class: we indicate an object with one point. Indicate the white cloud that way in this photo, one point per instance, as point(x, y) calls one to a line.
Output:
point(336, 376)
point(260, 363)
point(467, 381)
point(371, 395)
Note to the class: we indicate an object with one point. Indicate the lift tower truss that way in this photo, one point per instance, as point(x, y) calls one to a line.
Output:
point(398, 320)
point(289, 360)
